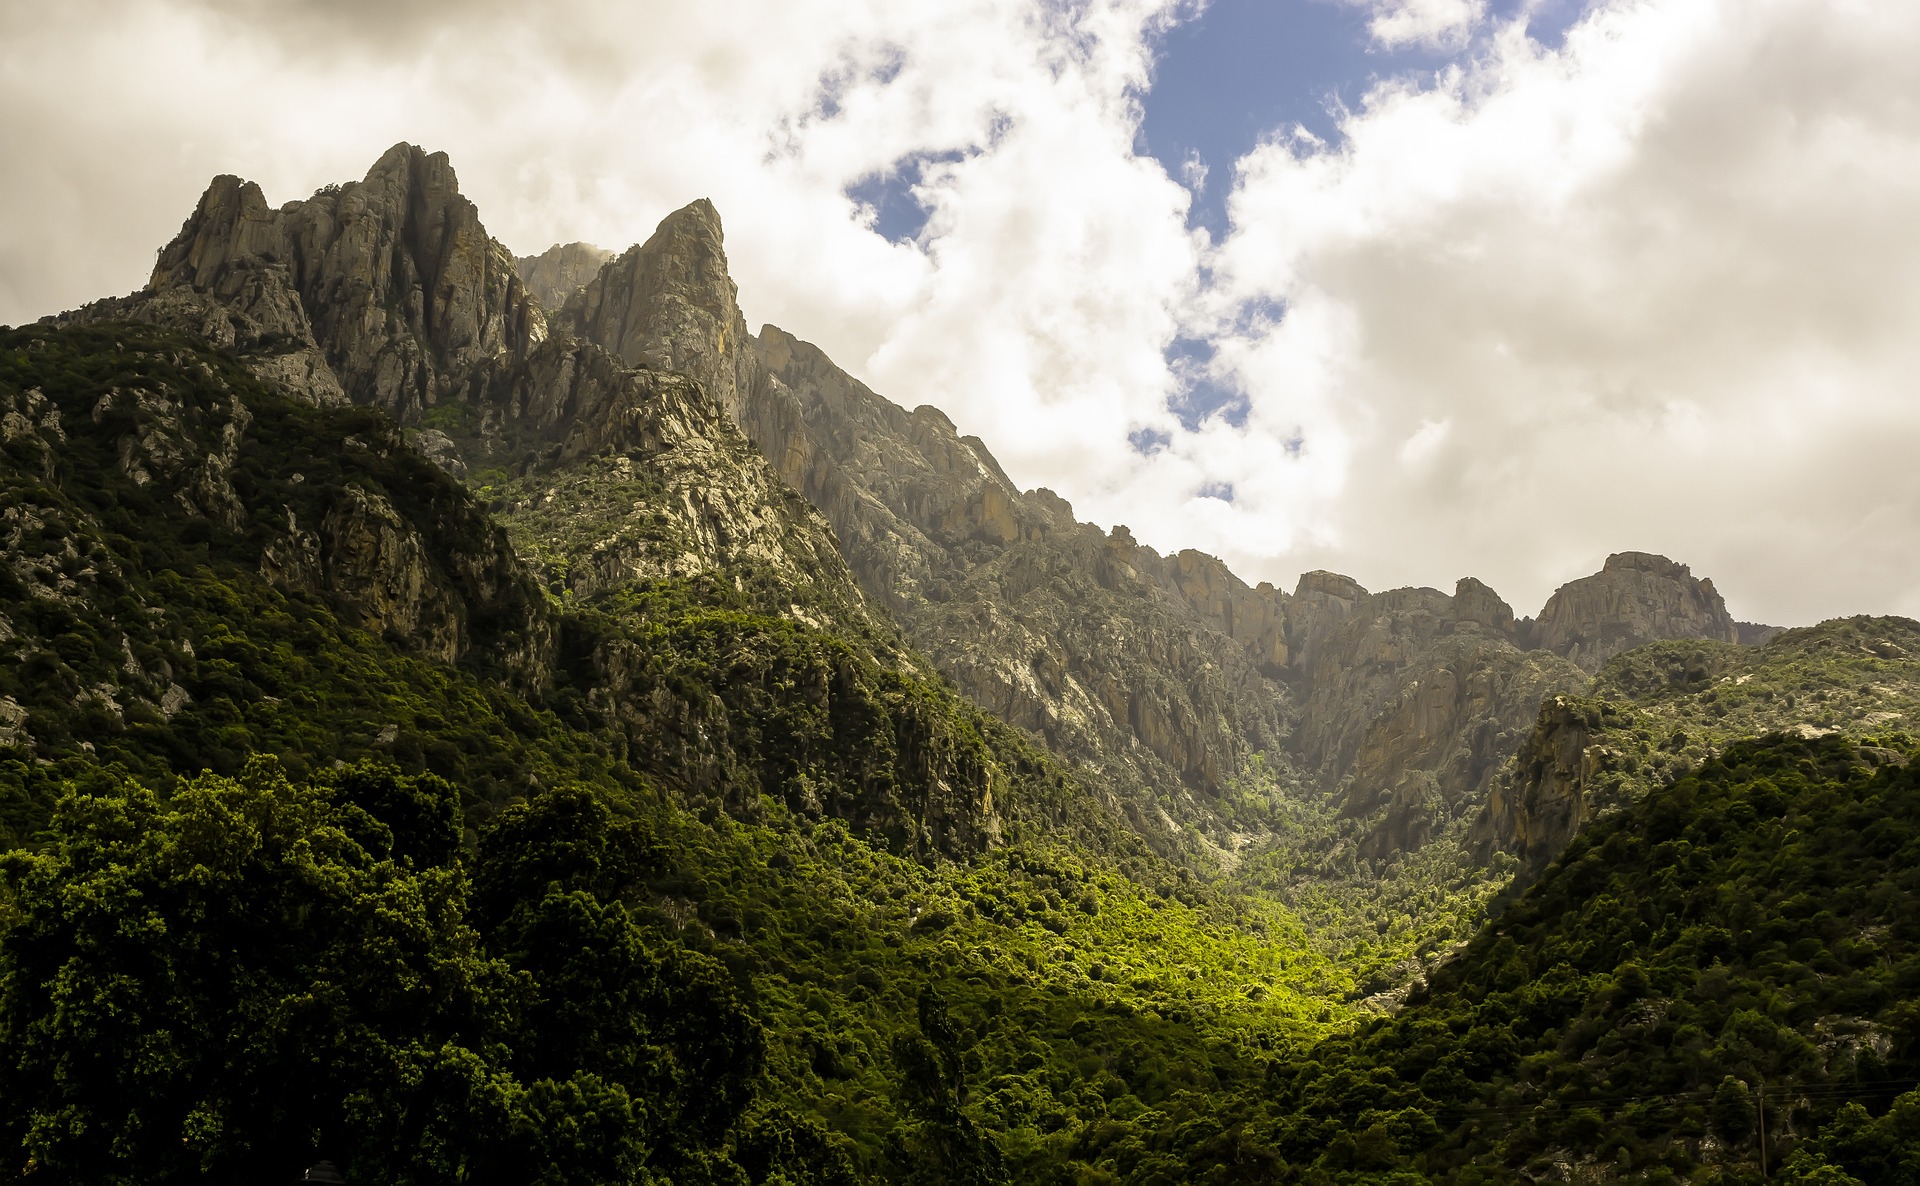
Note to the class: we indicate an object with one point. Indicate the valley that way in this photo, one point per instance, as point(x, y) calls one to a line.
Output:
point(478, 718)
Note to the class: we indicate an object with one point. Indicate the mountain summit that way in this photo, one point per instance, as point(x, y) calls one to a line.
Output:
point(1183, 690)
point(478, 719)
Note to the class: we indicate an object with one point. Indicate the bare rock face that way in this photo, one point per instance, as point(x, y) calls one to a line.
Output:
point(1637, 598)
point(385, 291)
point(1162, 673)
point(634, 431)
point(1414, 701)
point(438, 447)
point(650, 479)
point(560, 271)
point(1322, 602)
point(429, 571)
point(376, 559)
point(1543, 801)
point(392, 278)
point(669, 305)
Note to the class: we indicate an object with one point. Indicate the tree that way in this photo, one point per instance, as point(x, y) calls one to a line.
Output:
point(253, 974)
point(1733, 1113)
point(229, 983)
point(942, 1144)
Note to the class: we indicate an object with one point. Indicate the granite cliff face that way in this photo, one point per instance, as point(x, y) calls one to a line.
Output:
point(560, 271)
point(1415, 701)
point(1636, 598)
point(638, 434)
point(669, 305)
point(1163, 675)
point(387, 291)
point(628, 489)
point(1147, 669)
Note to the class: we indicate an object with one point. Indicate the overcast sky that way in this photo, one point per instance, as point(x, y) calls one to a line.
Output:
point(1410, 289)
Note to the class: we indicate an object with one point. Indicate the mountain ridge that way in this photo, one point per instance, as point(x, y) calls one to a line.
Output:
point(640, 668)
point(1168, 678)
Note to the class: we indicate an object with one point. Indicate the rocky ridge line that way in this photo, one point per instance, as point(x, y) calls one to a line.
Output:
point(1193, 693)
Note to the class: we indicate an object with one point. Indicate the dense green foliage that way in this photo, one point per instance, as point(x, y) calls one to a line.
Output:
point(1750, 932)
point(723, 887)
point(1063, 982)
point(254, 973)
point(138, 635)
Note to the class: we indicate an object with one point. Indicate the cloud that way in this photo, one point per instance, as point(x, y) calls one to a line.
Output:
point(1440, 24)
point(1034, 307)
point(1193, 172)
point(1659, 287)
point(1654, 289)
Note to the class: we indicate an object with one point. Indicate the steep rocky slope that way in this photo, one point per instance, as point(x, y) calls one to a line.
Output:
point(560, 271)
point(669, 543)
point(1165, 676)
point(1637, 598)
point(1658, 710)
point(199, 573)
point(392, 281)
point(639, 433)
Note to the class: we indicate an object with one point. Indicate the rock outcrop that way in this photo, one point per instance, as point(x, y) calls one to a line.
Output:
point(1544, 800)
point(1413, 701)
point(669, 305)
point(649, 479)
point(387, 289)
point(1662, 709)
point(637, 433)
point(1636, 598)
point(1164, 674)
point(560, 271)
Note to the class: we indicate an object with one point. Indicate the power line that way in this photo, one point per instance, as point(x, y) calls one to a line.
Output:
point(1777, 1092)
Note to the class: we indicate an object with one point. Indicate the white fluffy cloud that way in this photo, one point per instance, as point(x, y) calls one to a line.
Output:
point(1656, 289)
point(1034, 307)
point(1436, 23)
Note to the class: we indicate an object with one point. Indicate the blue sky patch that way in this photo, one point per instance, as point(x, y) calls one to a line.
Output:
point(1220, 490)
point(900, 217)
point(1246, 70)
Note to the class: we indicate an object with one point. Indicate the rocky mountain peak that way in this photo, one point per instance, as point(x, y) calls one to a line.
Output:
point(231, 222)
point(560, 271)
point(1473, 601)
point(669, 304)
point(388, 289)
point(1637, 597)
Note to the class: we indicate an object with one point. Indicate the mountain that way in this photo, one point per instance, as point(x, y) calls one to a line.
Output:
point(1716, 984)
point(1162, 676)
point(1196, 701)
point(560, 271)
point(1658, 710)
point(446, 879)
point(415, 312)
point(552, 732)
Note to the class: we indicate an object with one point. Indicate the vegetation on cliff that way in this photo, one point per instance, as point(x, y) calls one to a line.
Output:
point(1059, 974)
point(586, 823)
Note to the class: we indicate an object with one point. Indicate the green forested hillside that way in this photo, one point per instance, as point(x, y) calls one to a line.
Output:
point(1741, 941)
point(891, 997)
point(335, 831)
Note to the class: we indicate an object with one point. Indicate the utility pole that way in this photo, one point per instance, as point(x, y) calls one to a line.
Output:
point(1760, 1098)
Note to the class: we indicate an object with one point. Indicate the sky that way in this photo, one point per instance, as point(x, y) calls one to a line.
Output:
point(1407, 289)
